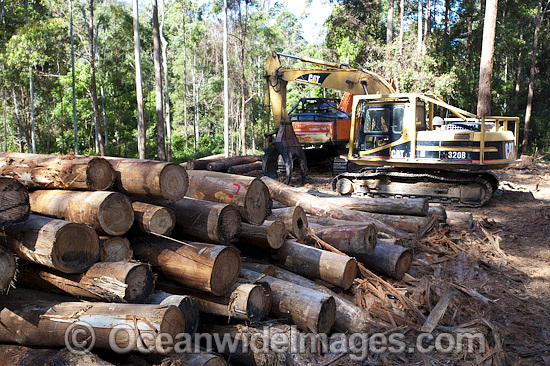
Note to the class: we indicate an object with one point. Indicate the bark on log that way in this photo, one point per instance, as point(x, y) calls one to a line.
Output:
point(350, 239)
point(58, 171)
point(269, 235)
point(438, 212)
point(108, 213)
point(310, 310)
point(318, 207)
point(462, 220)
point(8, 267)
point(224, 164)
point(27, 323)
point(250, 195)
point(114, 249)
point(110, 281)
point(153, 218)
point(14, 202)
point(147, 178)
point(245, 301)
point(202, 163)
point(316, 263)
point(388, 259)
point(205, 267)
point(193, 359)
point(187, 305)
point(206, 221)
point(295, 220)
point(245, 168)
point(349, 317)
point(58, 244)
point(323, 221)
point(17, 355)
point(392, 206)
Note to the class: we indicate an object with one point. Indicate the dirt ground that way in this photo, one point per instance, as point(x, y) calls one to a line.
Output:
point(505, 259)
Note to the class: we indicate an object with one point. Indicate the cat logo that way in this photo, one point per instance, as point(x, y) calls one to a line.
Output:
point(313, 78)
point(509, 150)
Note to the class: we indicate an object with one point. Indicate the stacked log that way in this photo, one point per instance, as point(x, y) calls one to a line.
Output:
point(318, 207)
point(114, 249)
point(224, 164)
point(206, 221)
point(202, 163)
point(245, 168)
point(244, 301)
point(153, 218)
point(461, 220)
point(62, 172)
point(187, 305)
point(8, 266)
point(11, 354)
point(111, 281)
point(391, 206)
point(147, 178)
point(56, 319)
point(388, 259)
point(316, 263)
point(14, 202)
point(250, 195)
point(108, 213)
point(206, 267)
point(350, 239)
point(348, 318)
point(58, 244)
point(310, 310)
point(269, 235)
point(295, 220)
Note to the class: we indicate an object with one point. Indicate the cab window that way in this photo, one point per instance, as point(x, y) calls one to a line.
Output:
point(398, 113)
point(377, 120)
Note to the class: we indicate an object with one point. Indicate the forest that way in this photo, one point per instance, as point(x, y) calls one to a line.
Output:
point(69, 82)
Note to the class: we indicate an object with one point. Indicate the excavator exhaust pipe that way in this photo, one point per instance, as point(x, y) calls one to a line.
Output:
point(286, 145)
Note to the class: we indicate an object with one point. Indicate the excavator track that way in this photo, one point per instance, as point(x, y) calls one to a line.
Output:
point(464, 188)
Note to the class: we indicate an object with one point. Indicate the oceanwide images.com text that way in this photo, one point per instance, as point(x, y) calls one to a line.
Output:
point(81, 338)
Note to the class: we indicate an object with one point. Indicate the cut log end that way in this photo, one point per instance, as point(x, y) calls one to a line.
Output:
point(276, 234)
point(173, 321)
point(100, 174)
point(229, 224)
point(225, 271)
point(326, 315)
point(189, 309)
point(162, 222)
point(115, 249)
point(14, 205)
point(7, 268)
point(140, 283)
point(257, 202)
point(174, 182)
point(116, 215)
point(299, 223)
point(403, 264)
point(258, 300)
point(350, 273)
point(76, 248)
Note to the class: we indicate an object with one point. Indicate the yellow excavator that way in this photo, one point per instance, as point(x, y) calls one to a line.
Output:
point(408, 144)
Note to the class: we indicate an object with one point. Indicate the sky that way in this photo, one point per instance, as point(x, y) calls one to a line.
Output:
point(312, 18)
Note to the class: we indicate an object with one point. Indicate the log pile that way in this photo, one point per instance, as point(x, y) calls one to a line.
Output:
point(148, 258)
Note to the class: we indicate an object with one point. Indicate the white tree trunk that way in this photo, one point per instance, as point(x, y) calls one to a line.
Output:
point(225, 84)
point(487, 55)
point(139, 90)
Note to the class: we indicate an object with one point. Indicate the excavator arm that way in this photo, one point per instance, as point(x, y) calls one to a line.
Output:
point(332, 76)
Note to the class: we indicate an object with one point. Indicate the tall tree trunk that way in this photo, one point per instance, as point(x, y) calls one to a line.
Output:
point(487, 55)
point(419, 36)
point(4, 104)
point(447, 8)
point(185, 79)
point(518, 75)
point(48, 122)
point(401, 26)
point(243, 89)
point(161, 142)
point(166, 88)
point(75, 124)
point(31, 88)
point(195, 125)
point(225, 84)
point(427, 25)
point(531, 90)
point(101, 90)
point(17, 118)
point(139, 90)
point(93, 85)
point(389, 28)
